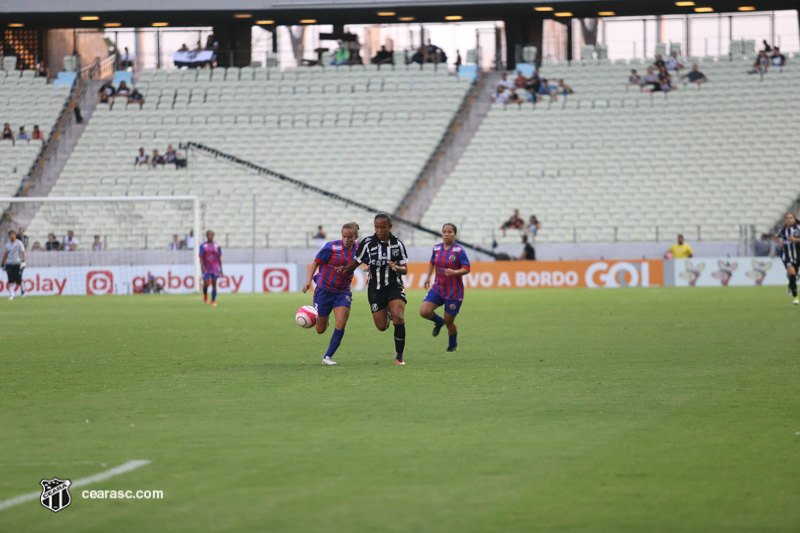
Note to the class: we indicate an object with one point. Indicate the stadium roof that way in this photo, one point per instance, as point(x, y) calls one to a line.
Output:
point(47, 13)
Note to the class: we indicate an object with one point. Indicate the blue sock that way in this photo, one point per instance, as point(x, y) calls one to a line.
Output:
point(213, 294)
point(437, 319)
point(452, 340)
point(336, 338)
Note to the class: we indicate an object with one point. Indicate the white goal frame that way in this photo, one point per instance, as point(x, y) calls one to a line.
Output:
point(76, 199)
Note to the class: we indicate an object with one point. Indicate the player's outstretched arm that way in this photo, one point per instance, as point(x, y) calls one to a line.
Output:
point(460, 272)
point(312, 269)
point(348, 268)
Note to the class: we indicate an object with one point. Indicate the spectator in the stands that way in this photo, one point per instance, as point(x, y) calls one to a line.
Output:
point(126, 59)
point(650, 82)
point(41, 70)
point(106, 92)
point(505, 83)
point(171, 156)
point(123, 90)
point(152, 286)
point(666, 82)
point(7, 133)
point(21, 237)
point(659, 64)
point(767, 47)
point(778, 59)
point(52, 244)
point(533, 226)
point(156, 159)
point(760, 65)
point(500, 96)
point(70, 243)
point(136, 97)
point(546, 90)
point(763, 246)
point(176, 244)
point(513, 97)
point(534, 83)
point(22, 136)
point(341, 56)
point(695, 76)
point(142, 159)
point(36, 246)
point(188, 241)
point(36, 135)
point(183, 48)
point(562, 88)
point(515, 222)
point(320, 237)
point(634, 79)
point(211, 44)
point(97, 246)
point(383, 57)
point(434, 54)
point(521, 81)
point(674, 62)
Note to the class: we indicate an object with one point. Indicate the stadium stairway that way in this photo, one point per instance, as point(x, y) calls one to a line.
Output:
point(442, 163)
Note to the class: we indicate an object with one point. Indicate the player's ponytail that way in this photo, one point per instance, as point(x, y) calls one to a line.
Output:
point(351, 225)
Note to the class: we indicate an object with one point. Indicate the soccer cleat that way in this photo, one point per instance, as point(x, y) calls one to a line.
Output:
point(795, 301)
point(205, 298)
point(213, 304)
point(399, 361)
point(11, 297)
point(437, 328)
point(328, 361)
point(452, 348)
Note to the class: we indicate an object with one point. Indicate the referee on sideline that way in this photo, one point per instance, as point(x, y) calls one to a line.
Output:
point(13, 263)
point(387, 259)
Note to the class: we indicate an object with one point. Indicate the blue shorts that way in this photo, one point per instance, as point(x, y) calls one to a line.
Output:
point(325, 301)
point(451, 307)
point(210, 276)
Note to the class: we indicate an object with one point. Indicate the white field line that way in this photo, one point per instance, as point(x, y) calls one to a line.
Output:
point(121, 469)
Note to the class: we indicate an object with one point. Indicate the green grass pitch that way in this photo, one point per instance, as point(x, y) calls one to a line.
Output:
point(564, 410)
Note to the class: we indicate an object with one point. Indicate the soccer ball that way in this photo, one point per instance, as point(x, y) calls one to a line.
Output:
point(306, 317)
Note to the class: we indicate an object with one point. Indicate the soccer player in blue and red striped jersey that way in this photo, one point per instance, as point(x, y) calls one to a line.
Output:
point(211, 266)
point(332, 292)
point(451, 263)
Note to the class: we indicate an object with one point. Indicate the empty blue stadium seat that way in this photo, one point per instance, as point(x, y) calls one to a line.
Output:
point(65, 78)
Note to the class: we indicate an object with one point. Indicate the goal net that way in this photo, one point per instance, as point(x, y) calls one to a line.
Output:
point(105, 245)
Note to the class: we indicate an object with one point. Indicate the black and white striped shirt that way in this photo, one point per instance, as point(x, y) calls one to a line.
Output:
point(790, 251)
point(377, 254)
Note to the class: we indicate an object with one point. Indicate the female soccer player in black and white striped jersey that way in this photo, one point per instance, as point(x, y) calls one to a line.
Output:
point(788, 238)
point(387, 259)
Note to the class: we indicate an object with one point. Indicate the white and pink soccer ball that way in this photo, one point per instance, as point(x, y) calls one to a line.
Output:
point(306, 317)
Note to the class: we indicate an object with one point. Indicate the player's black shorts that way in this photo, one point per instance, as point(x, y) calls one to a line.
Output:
point(14, 273)
point(789, 263)
point(379, 299)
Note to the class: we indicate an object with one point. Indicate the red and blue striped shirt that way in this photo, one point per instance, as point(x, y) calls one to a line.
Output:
point(455, 258)
point(210, 258)
point(332, 255)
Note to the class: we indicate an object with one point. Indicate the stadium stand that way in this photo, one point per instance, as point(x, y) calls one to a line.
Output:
point(25, 100)
point(606, 163)
point(362, 133)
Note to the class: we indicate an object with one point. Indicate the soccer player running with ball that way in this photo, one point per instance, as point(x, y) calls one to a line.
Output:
point(788, 238)
point(451, 263)
point(332, 292)
point(387, 258)
point(14, 263)
point(211, 265)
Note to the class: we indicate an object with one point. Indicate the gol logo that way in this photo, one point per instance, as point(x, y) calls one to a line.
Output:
point(276, 280)
point(622, 274)
point(99, 282)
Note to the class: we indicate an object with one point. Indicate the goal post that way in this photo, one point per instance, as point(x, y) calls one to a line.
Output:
point(117, 243)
